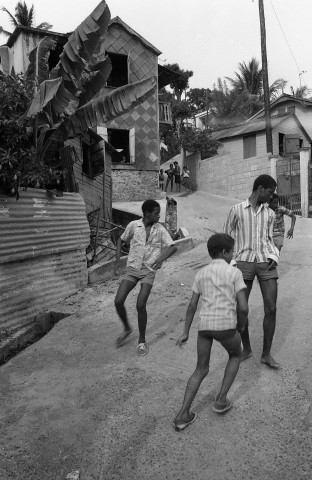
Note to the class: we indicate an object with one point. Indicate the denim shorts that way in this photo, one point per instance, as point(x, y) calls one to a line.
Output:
point(145, 275)
point(250, 270)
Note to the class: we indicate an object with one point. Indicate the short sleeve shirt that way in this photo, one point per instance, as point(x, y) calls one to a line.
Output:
point(144, 253)
point(218, 284)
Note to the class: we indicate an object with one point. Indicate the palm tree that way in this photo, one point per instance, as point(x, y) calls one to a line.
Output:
point(23, 17)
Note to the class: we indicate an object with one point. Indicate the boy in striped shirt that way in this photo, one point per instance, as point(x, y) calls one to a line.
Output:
point(223, 314)
point(250, 223)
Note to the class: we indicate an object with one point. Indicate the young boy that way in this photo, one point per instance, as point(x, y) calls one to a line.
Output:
point(161, 179)
point(279, 224)
point(150, 245)
point(223, 314)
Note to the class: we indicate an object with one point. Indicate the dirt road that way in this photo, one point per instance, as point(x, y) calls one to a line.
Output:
point(73, 402)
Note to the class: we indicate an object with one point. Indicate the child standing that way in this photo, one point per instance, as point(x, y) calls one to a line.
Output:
point(223, 314)
point(279, 224)
point(161, 179)
point(185, 178)
point(150, 245)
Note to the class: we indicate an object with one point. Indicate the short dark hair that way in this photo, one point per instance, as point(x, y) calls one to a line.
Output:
point(219, 242)
point(149, 206)
point(266, 181)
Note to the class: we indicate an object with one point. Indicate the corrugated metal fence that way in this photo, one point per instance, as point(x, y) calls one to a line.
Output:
point(42, 253)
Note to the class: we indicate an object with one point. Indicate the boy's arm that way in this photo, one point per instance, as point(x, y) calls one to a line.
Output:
point(290, 232)
point(242, 310)
point(165, 253)
point(118, 254)
point(191, 310)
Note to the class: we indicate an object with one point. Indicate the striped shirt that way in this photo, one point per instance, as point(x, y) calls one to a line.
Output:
point(252, 232)
point(144, 253)
point(218, 283)
point(279, 224)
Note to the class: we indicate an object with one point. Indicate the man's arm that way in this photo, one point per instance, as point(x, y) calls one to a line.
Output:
point(290, 232)
point(191, 310)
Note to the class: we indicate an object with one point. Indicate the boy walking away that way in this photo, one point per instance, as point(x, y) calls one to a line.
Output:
point(279, 224)
point(223, 314)
point(169, 173)
point(150, 245)
point(161, 179)
point(250, 223)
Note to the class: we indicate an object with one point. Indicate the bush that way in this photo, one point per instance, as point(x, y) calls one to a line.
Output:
point(200, 141)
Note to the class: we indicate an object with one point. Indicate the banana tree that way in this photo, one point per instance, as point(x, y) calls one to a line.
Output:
point(72, 97)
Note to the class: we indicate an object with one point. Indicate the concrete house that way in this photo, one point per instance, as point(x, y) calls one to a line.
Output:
point(132, 144)
point(243, 155)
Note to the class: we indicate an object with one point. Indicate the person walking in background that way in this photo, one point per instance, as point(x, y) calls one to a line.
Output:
point(279, 224)
point(161, 179)
point(170, 175)
point(250, 223)
point(150, 245)
point(185, 178)
point(223, 314)
point(177, 176)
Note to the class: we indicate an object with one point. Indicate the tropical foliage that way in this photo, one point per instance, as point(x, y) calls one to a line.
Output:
point(23, 17)
point(180, 84)
point(200, 141)
point(72, 97)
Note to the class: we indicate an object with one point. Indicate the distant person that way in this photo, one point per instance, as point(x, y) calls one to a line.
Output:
point(170, 174)
point(161, 179)
point(150, 245)
point(177, 176)
point(185, 178)
point(223, 314)
point(250, 223)
point(279, 224)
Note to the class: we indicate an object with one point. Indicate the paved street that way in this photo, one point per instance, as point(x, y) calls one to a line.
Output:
point(73, 402)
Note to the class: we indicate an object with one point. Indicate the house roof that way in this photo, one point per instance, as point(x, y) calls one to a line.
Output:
point(283, 98)
point(166, 76)
point(135, 34)
point(39, 31)
point(256, 126)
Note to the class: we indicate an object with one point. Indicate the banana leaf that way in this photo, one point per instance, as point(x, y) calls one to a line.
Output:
point(95, 81)
point(38, 68)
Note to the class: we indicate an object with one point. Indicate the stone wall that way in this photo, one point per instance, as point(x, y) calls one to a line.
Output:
point(134, 185)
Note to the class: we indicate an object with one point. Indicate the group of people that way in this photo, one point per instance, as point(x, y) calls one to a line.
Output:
point(245, 251)
point(174, 174)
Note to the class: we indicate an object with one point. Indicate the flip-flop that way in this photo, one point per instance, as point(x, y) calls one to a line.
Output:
point(182, 426)
point(226, 407)
point(122, 338)
point(270, 363)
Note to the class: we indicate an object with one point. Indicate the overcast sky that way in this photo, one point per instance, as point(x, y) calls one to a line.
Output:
point(209, 37)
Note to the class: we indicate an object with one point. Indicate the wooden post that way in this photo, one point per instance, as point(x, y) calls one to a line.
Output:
point(268, 128)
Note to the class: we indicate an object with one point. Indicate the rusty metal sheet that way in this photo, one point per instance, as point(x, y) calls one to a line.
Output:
point(40, 223)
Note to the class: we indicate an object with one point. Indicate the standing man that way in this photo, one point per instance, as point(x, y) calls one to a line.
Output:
point(150, 244)
point(250, 223)
point(177, 176)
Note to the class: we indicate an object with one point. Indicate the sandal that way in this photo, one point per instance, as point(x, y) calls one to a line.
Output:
point(227, 406)
point(182, 426)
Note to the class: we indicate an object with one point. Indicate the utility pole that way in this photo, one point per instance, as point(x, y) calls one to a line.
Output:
point(268, 127)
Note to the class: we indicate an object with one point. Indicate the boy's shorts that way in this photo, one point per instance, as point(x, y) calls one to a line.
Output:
point(279, 241)
point(144, 275)
point(250, 270)
point(177, 178)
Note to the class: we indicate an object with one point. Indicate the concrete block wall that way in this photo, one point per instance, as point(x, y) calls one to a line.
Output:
point(136, 185)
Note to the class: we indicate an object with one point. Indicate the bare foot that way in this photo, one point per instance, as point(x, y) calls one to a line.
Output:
point(246, 354)
point(269, 360)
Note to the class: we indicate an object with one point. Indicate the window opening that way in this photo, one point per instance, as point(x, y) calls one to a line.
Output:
point(249, 146)
point(119, 73)
point(281, 143)
point(119, 139)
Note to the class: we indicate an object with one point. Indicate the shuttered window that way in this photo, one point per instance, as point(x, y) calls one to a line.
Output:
point(249, 145)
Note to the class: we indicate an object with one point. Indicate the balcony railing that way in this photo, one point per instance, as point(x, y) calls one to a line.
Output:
point(165, 113)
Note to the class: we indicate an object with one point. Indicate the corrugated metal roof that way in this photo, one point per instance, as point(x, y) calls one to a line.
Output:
point(246, 128)
point(40, 223)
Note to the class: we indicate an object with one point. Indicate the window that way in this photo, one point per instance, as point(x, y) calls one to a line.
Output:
point(92, 155)
point(123, 142)
point(291, 109)
point(280, 111)
point(119, 74)
point(249, 146)
point(281, 143)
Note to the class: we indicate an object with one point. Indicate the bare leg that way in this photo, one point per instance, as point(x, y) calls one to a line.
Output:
point(123, 291)
point(141, 309)
point(269, 295)
point(245, 334)
point(204, 345)
point(233, 347)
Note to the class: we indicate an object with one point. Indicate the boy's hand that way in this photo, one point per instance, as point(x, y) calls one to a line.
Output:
point(272, 264)
point(290, 233)
point(157, 264)
point(240, 328)
point(182, 340)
